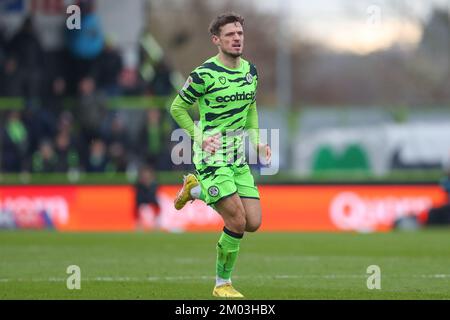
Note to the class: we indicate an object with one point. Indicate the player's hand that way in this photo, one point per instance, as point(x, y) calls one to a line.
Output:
point(212, 144)
point(265, 152)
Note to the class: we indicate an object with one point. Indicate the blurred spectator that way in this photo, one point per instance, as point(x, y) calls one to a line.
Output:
point(113, 130)
point(55, 86)
point(90, 68)
point(24, 62)
point(108, 69)
point(65, 125)
point(439, 215)
point(2, 60)
point(154, 137)
point(118, 156)
point(41, 125)
point(98, 160)
point(67, 155)
point(116, 137)
point(157, 76)
point(24, 71)
point(14, 143)
point(147, 205)
point(84, 46)
point(45, 159)
point(436, 216)
point(90, 111)
point(150, 54)
point(86, 42)
point(129, 82)
point(161, 84)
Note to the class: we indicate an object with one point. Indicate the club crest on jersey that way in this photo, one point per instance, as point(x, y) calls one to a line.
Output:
point(222, 79)
point(187, 83)
point(249, 78)
point(213, 191)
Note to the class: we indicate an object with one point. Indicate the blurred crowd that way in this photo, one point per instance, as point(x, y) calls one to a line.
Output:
point(64, 123)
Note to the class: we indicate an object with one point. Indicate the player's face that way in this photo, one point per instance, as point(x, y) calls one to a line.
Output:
point(231, 39)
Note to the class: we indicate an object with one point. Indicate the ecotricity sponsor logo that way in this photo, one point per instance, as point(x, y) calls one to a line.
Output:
point(350, 211)
point(23, 211)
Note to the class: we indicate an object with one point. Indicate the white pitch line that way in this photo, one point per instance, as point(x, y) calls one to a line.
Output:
point(209, 278)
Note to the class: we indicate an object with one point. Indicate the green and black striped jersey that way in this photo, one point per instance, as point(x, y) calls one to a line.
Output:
point(224, 98)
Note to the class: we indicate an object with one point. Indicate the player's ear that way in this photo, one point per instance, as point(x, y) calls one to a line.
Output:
point(215, 39)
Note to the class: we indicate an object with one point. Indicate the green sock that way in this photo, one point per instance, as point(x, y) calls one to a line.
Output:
point(227, 252)
point(198, 193)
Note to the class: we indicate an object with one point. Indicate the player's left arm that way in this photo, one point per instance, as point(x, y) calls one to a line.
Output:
point(252, 127)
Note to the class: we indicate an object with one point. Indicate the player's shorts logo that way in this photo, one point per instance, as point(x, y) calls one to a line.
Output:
point(222, 79)
point(249, 78)
point(213, 191)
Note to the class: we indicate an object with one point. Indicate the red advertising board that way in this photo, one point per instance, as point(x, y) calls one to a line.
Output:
point(68, 208)
point(285, 208)
point(344, 207)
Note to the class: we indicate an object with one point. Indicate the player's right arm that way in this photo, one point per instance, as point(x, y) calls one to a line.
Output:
point(191, 91)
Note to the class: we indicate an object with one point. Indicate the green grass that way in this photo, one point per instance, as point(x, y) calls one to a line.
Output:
point(432, 176)
point(414, 265)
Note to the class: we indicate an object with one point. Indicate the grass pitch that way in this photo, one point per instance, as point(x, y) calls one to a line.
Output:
point(414, 265)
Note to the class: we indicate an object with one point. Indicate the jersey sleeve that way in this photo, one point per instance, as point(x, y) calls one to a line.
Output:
point(191, 91)
point(254, 74)
point(179, 112)
point(252, 125)
point(193, 88)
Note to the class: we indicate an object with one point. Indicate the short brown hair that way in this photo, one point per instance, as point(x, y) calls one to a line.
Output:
point(223, 19)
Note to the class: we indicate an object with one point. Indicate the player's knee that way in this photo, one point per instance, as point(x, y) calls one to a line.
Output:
point(238, 219)
point(253, 226)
